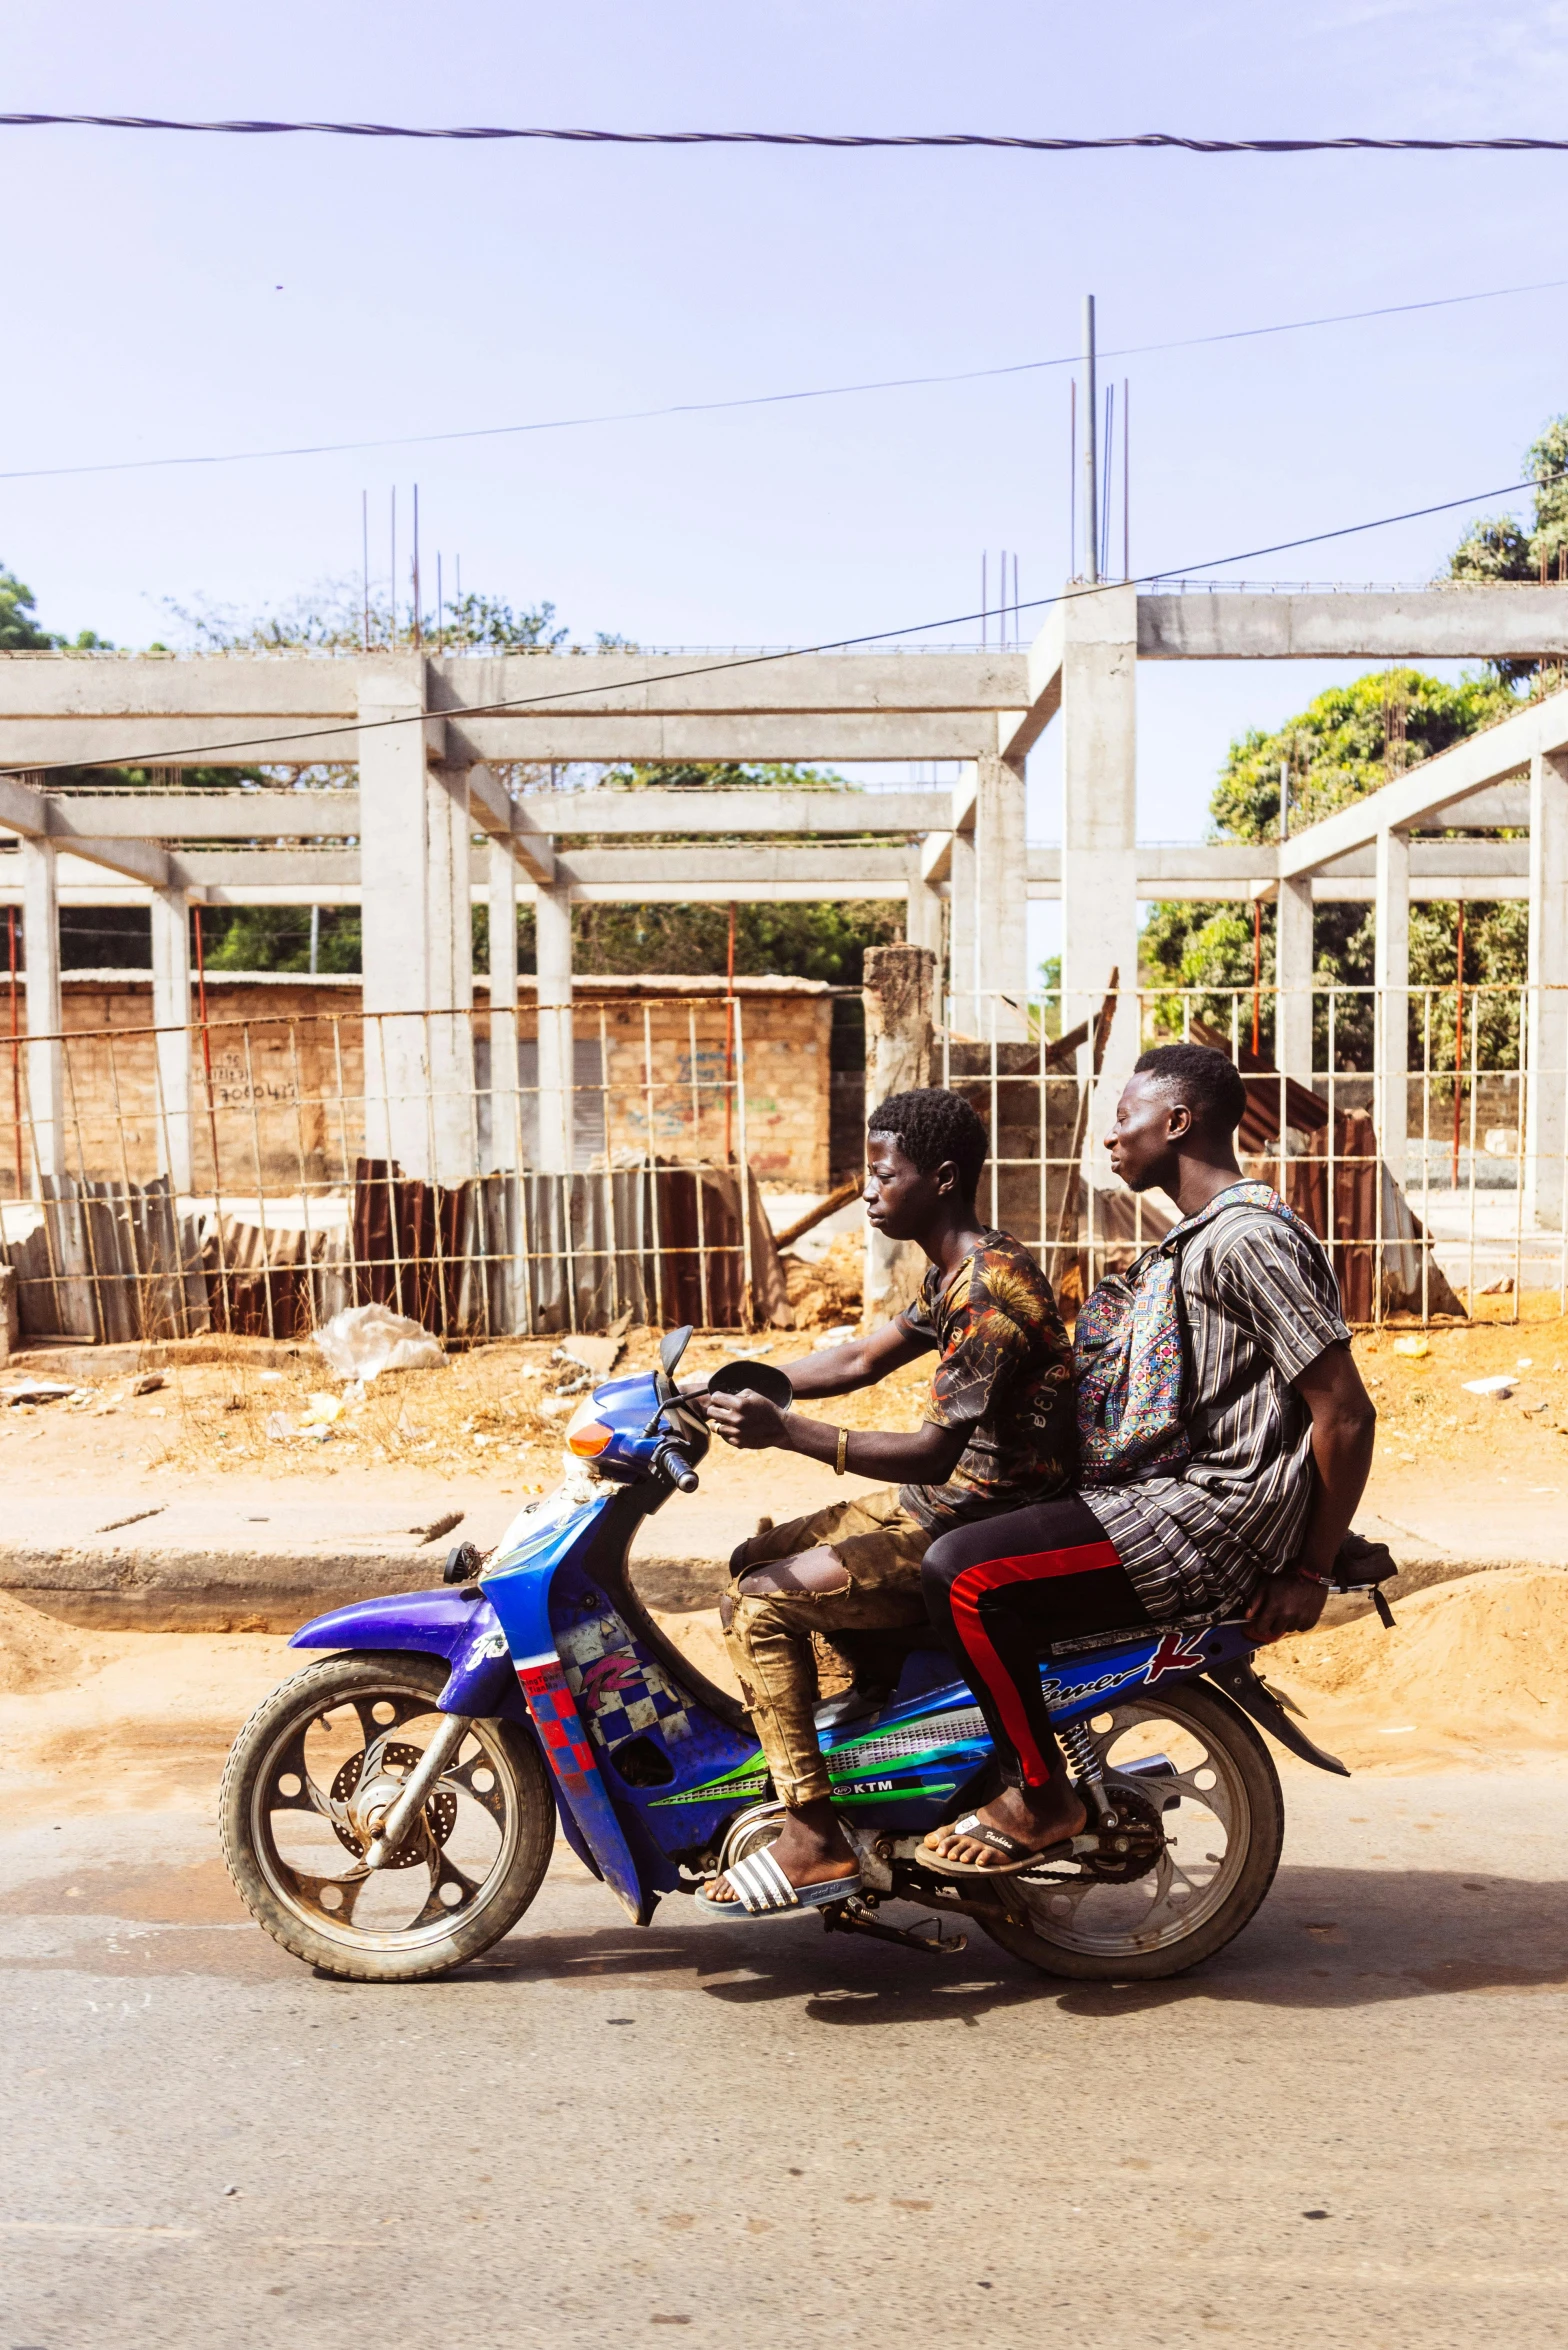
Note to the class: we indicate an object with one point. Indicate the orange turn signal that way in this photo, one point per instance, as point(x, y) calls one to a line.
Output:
point(590, 1438)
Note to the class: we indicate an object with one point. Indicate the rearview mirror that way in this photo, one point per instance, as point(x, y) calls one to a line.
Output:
point(672, 1346)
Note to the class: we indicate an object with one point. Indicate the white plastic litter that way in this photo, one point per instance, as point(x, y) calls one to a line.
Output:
point(364, 1341)
point(1500, 1386)
point(41, 1391)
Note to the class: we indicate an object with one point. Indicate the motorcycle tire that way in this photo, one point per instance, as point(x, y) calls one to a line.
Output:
point(1156, 1930)
point(271, 1778)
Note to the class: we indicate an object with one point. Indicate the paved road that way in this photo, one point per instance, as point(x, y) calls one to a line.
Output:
point(1350, 2130)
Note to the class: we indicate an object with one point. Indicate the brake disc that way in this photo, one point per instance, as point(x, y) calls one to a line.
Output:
point(439, 1814)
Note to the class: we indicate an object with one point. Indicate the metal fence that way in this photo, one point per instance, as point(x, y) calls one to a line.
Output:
point(1433, 1180)
point(257, 1174)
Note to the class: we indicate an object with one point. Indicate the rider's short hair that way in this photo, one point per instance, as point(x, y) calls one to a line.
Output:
point(930, 1124)
point(1206, 1082)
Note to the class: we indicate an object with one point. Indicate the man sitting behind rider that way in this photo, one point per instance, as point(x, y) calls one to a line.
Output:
point(1279, 1430)
point(998, 1432)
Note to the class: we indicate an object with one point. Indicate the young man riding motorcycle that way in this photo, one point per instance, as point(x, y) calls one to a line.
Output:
point(1277, 1434)
point(998, 1432)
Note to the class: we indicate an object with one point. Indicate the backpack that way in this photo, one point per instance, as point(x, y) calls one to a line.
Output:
point(1130, 1352)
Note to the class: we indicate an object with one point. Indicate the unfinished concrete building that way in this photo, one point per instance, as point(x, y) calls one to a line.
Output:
point(474, 1111)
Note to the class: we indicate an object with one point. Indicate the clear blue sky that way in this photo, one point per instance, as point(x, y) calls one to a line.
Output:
point(166, 295)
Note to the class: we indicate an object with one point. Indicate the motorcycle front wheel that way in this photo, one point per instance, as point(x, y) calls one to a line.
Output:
point(1202, 1822)
point(469, 1867)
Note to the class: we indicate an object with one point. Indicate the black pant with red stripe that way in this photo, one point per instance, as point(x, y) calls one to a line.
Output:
point(1001, 1590)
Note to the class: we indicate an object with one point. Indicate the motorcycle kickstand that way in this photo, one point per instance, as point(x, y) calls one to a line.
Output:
point(846, 1917)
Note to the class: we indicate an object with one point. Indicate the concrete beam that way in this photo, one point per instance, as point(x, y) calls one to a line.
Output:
point(234, 869)
point(562, 736)
point(631, 868)
point(1416, 624)
point(936, 857)
point(222, 815)
point(611, 814)
point(1540, 729)
point(1019, 730)
point(671, 684)
point(493, 810)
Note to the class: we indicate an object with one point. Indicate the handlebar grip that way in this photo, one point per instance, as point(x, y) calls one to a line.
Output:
point(678, 1469)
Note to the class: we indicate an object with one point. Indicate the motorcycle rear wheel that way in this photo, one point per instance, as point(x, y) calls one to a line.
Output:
point(468, 1869)
point(1222, 1793)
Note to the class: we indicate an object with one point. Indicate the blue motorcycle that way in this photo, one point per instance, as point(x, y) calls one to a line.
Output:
point(389, 1812)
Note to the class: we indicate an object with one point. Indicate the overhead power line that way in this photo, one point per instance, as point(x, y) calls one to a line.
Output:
point(890, 383)
point(843, 644)
point(1510, 145)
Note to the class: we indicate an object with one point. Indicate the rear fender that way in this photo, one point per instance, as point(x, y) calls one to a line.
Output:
point(1241, 1684)
point(458, 1626)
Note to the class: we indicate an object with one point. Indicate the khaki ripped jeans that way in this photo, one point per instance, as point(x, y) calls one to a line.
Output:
point(774, 1637)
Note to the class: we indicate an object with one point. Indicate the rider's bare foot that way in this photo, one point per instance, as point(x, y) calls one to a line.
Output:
point(1035, 1817)
point(811, 1850)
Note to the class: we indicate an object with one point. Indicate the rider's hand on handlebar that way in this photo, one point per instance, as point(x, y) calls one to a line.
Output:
point(1285, 1603)
point(746, 1419)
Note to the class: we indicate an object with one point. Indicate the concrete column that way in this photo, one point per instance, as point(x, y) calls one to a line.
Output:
point(899, 991)
point(1391, 974)
point(553, 927)
point(1546, 1053)
point(1001, 899)
point(417, 936)
point(962, 937)
point(395, 951)
point(46, 1056)
point(171, 1014)
point(1293, 968)
point(923, 918)
point(504, 1101)
point(1099, 827)
point(450, 983)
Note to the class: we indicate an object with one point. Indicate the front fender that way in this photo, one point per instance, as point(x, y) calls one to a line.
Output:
point(447, 1623)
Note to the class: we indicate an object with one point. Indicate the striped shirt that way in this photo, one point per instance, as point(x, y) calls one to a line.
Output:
point(1261, 1304)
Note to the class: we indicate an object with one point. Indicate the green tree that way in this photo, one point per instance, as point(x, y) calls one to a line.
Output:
point(1498, 548)
point(19, 629)
point(1345, 744)
point(277, 938)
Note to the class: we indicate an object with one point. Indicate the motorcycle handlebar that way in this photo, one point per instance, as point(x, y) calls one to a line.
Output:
point(677, 1468)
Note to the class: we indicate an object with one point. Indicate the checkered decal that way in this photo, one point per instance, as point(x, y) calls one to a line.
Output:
point(618, 1691)
point(556, 1720)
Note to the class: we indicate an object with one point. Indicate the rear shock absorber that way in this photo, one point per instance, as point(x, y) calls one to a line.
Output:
point(1083, 1756)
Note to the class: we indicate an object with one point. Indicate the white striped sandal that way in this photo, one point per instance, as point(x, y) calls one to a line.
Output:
point(762, 1890)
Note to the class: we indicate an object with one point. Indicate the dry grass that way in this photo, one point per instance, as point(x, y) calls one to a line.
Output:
point(502, 1408)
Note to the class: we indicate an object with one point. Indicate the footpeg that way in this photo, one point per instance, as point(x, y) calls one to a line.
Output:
point(848, 1917)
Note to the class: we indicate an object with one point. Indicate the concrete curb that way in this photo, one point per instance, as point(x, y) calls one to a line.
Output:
point(110, 1588)
point(120, 1587)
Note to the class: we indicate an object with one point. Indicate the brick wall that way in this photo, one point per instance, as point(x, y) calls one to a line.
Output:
point(288, 1077)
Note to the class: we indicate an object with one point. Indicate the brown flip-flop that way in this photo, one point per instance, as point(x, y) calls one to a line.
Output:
point(1015, 1856)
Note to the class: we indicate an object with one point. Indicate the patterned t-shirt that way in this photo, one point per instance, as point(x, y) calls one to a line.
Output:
point(1005, 1378)
point(1261, 1304)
